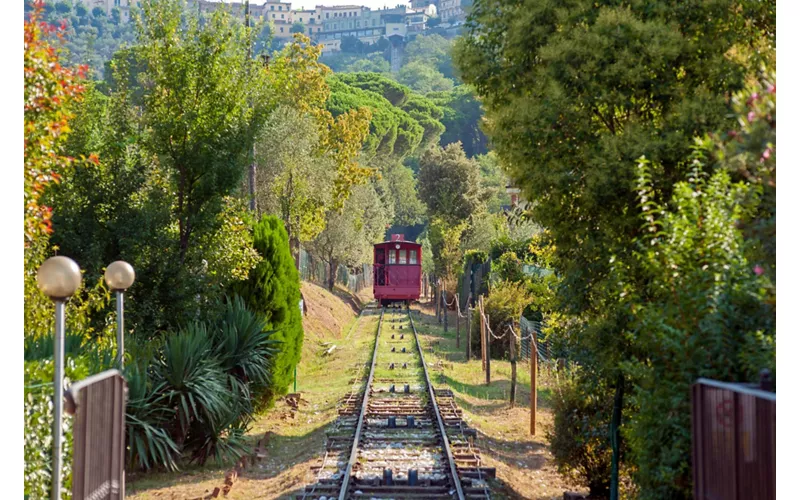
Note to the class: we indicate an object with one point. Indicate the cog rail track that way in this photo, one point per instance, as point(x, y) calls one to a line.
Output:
point(399, 438)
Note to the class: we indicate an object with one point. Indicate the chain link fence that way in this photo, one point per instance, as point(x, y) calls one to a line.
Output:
point(528, 327)
point(315, 270)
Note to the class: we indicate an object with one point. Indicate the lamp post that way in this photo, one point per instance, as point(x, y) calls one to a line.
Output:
point(58, 278)
point(119, 277)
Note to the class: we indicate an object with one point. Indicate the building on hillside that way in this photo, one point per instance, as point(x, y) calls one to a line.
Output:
point(452, 11)
point(279, 14)
point(124, 7)
point(311, 20)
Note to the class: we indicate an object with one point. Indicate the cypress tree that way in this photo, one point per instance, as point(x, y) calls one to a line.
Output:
point(273, 290)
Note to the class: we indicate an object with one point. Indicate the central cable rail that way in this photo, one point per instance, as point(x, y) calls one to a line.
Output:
point(450, 461)
point(363, 413)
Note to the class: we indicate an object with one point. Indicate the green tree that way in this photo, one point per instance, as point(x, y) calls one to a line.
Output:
point(273, 290)
point(493, 182)
point(574, 94)
point(297, 27)
point(462, 117)
point(204, 103)
point(292, 180)
point(423, 77)
point(433, 50)
point(372, 63)
point(350, 233)
point(449, 183)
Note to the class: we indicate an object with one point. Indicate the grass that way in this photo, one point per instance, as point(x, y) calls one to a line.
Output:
point(524, 464)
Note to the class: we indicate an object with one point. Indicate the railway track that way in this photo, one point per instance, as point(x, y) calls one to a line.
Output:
point(399, 437)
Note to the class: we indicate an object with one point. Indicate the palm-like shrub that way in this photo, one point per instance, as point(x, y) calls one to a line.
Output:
point(193, 382)
point(243, 345)
point(147, 417)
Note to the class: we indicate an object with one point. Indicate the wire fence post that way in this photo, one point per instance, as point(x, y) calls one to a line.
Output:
point(469, 332)
point(483, 333)
point(436, 292)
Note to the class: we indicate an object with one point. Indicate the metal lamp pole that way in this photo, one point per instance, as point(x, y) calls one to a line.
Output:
point(119, 277)
point(58, 278)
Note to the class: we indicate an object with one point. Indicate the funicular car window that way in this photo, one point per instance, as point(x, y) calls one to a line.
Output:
point(412, 256)
point(392, 256)
point(402, 259)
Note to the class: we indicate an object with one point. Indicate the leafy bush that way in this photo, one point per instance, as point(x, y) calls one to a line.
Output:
point(273, 290)
point(193, 382)
point(579, 438)
point(39, 426)
point(508, 267)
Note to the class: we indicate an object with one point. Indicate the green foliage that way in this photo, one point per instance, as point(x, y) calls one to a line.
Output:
point(147, 420)
point(493, 182)
point(423, 78)
point(449, 183)
point(579, 436)
point(508, 268)
point(393, 132)
point(402, 195)
point(38, 410)
point(574, 94)
point(462, 119)
point(445, 241)
point(349, 235)
point(273, 290)
point(297, 27)
point(433, 50)
point(721, 325)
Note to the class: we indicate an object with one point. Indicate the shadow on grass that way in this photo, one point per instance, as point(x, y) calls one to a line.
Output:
point(283, 452)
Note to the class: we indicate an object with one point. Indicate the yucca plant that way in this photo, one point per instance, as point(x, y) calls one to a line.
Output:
point(244, 348)
point(146, 416)
point(193, 382)
point(222, 440)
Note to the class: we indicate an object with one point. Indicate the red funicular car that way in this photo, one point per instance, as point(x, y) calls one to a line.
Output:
point(397, 270)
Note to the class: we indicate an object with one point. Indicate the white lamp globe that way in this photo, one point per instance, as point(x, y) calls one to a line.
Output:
point(119, 275)
point(59, 277)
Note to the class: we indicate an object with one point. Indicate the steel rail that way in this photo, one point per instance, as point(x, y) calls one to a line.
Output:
point(450, 461)
point(359, 427)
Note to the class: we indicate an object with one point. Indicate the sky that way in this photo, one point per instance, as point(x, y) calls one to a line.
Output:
point(310, 4)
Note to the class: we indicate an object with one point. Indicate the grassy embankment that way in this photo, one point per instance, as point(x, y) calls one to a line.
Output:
point(296, 438)
point(524, 463)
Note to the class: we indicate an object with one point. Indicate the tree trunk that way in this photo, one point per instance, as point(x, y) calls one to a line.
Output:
point(616, 420)
point(333, 266)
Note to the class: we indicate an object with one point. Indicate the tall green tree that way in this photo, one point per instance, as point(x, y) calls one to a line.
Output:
point(574, 94)
point(449, 183)
point(204, 104)
point(462, 118)
point(273, 291)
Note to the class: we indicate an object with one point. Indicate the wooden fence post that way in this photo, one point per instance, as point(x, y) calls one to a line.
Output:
point(444, 308)
point(469, 332)
point(488, 353)
point(534, 363)
point(458, 323)
point(512, 354)
point(483, 333)
point(436, 299)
